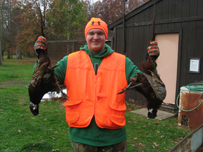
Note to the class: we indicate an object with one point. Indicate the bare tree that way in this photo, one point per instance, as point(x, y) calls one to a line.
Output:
point(111, 10)
point(1, 30)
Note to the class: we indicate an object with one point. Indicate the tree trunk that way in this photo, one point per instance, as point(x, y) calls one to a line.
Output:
point(1, 54)
point(8, 55)
point(11, 56)
point(19, 55)
point(1, 32)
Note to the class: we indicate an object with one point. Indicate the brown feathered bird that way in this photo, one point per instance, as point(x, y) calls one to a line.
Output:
point(43, 78)
point(149, 85)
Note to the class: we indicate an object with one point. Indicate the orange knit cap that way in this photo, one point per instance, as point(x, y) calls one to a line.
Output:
point(96, 23)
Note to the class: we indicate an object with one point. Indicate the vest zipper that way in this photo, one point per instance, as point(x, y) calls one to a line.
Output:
point(95, 83)
point(95, 68)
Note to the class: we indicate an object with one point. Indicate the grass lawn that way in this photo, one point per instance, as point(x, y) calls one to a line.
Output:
point(20, 131)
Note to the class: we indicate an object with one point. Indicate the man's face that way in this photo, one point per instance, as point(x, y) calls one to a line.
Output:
point(96, 39)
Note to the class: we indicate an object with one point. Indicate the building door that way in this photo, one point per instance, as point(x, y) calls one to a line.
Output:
point(168, 63)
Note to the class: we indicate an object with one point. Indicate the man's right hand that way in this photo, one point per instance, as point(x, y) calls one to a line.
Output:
point(40, 45)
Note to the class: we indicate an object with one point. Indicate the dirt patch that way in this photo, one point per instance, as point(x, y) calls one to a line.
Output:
point(184, 127)
point(13, 83)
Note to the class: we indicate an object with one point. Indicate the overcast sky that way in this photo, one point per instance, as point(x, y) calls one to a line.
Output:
point(94, 1)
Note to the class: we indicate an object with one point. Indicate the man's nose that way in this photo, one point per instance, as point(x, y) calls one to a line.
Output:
point(96, 36)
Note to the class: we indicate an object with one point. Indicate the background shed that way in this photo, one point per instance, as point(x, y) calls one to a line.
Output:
point(179, 32)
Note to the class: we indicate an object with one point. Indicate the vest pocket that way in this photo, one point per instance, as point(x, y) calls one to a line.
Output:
point(72, 102)
point(117, 115)
point(72, 114)
point(117, 106)
point(72, 117)
point(114, 117)
point(117, 122)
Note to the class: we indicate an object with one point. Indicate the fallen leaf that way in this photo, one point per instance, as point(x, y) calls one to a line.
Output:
point(155, 144)
point(162, 136)
point(157, 123)
point(141, 144)
point(132, 144)
point(135, 138)
point(138, 106)
point(158, 132)
point(19, 130)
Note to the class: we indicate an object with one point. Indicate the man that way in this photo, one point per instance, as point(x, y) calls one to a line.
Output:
point(93, 76)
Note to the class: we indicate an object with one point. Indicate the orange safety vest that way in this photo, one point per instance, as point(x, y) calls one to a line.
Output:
point(95, 95)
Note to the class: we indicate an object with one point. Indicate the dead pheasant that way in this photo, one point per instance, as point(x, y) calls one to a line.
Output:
point(150, 86)
point(43, 78)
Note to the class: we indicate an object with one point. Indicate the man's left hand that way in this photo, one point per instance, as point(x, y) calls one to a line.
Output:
point(153, 49)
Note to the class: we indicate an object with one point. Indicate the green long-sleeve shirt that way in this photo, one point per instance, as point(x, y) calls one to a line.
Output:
point(93, 135)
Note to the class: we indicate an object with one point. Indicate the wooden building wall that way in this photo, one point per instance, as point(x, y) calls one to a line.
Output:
point(172, 16)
